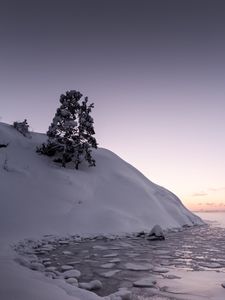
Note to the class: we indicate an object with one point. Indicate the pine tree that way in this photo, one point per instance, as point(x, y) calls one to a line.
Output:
point(22, 127)
point(70, 135)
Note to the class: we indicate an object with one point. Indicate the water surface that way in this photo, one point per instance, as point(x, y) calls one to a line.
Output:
point(213, 218)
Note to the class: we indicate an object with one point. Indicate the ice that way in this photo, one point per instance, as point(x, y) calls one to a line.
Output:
point(46, 248)
point(199, 285)
point(108, 266)
point(67, 253)
point(50, 269)
point(145, 282)
point(210, 265)
point(121, 294)
point(66, 268)
point(160, 252)
point(111, 255)
point(115, 260)
point(171, 276)
point(100, 248)
point(110, 273)
point(137, 267)
point(92, 285)
point(71, 273)
point(64, 242)
point(160, 269)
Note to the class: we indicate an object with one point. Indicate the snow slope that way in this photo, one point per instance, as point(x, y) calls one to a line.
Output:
point(38, 197)
point(112, 197)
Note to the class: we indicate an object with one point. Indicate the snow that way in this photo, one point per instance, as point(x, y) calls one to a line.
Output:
point(156, 233)
point(72, 281)
point(92, 285)
point(39, 198)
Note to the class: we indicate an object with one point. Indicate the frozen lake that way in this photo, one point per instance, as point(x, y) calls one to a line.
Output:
point(189, 264)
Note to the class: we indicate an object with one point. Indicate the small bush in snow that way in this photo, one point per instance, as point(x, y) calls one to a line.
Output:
point(70, 136)
point(22, 127)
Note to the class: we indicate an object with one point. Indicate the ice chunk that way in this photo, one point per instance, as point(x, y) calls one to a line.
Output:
point(137, 267)
point(92, 285)
point(145, 282)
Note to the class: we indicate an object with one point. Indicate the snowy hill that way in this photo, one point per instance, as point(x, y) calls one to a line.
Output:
point(38, 197)
point(111, 197)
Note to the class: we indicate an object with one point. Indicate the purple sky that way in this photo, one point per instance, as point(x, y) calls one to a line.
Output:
point(154, 69)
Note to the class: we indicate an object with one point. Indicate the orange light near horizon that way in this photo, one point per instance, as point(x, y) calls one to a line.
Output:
point(213, 201)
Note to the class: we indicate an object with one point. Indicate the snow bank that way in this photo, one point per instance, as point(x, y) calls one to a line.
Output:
point(38, 197)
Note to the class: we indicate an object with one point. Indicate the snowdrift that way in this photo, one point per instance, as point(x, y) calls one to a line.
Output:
point(39, 197)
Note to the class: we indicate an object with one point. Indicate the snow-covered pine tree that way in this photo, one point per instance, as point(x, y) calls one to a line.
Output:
point(70, 135)
point(22, 127)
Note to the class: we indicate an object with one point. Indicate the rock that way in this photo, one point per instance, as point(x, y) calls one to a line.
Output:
point(90, 286)
point(71, 274)
point(145, 283)
point(156, 233)
point(186, 226)
point(223, 285)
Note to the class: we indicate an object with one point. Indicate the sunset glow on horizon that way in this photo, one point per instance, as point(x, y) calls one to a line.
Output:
point(154, 69)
